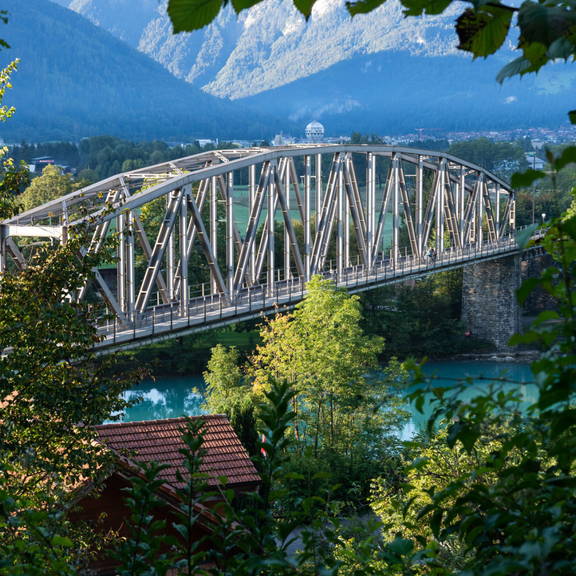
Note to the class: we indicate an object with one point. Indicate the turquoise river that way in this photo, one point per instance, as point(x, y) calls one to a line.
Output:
point(171, 397)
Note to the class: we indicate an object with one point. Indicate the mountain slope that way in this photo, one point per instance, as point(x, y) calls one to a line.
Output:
point(390, 93)
point(77, 80)
point(269, 45)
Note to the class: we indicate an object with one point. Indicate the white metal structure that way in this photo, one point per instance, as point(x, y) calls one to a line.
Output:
point(227, 234)
point(314, 132)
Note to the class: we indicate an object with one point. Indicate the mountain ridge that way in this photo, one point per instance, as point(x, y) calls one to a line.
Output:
point(270, 44)
point(76, 80)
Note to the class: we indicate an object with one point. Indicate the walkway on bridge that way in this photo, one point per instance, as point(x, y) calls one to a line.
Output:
point(207, 312)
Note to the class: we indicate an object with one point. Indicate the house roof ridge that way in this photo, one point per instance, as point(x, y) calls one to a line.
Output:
point(162, 441)
point(159, 420)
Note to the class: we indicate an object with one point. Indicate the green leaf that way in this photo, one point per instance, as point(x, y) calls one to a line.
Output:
point(61, 541)
point(436, 521)
point(363, 6)
point(240, 5)
point(305, 7)
point(188, 15)
point(482, 32)
point(544, 24)
point(536, 54)
point(517, 67)
point(568, 156)
point(526, 178)
point(526, 289)
point(525, 235)
point(466, 433)
point(400, 547)
point(419, 7)
point(561, 48)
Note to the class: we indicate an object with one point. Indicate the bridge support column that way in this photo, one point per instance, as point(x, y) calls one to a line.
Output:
point(489, 306)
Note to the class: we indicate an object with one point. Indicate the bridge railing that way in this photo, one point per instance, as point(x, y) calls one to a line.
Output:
point(203, 312)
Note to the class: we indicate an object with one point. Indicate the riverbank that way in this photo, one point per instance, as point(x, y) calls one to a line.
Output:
point(521, 357)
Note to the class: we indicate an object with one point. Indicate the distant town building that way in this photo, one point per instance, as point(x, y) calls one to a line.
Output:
point(534, 161)
point(39, 163)
point(314, 132)
point(283, 140)
point(203, 142)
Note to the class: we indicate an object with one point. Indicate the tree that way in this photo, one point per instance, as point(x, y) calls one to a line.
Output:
point(493, 156)
point(322, 351)
point(52, 391)
point(345, 412)
point(51, 185)
point(226, 390)
point(229, 392)
point(13, 176)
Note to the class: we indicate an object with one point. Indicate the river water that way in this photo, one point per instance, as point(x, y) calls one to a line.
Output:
point(171, 397)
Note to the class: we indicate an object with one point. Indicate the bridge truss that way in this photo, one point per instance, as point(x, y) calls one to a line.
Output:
point(221, 225)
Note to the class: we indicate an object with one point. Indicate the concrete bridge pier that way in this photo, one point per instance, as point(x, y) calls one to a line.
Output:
point(489, 306)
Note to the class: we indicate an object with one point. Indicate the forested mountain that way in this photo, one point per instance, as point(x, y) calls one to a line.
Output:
point(391, 93)
point(379, 73)
point(77, 80)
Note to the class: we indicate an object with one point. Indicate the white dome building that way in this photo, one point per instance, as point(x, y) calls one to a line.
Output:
point(314, 132)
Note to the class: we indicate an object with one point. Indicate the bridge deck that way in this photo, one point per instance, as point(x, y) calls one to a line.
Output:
point(204, 313)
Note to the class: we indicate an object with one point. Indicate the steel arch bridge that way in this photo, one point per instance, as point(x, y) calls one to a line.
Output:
point(225, 235)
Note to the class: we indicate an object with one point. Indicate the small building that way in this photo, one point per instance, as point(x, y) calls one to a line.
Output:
point(534, 162)
point(38, 164)
point(225, 463)
point(283, 140)
point(314, 132)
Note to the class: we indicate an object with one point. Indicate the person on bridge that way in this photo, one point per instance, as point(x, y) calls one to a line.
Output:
point(431, 254)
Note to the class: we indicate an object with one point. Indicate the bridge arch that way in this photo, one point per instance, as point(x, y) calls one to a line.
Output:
point(222, 226)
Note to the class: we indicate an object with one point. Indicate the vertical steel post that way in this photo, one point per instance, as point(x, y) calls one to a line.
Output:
point(318, 183)
point(252, 200)
point(340, 221)
point(230, 234)
point(395, 208)
point(497, 211)
point(420, 206)
point(346, 218)
point(271, 197)
point(130, 267)
point(286, 185)
point(214, 229)
point(370, 207)
point(184, 296)
point(170, 255)
point(306, 223)
point(481, 185)
point(121, 264)
point(440, 208)
point(462, 203)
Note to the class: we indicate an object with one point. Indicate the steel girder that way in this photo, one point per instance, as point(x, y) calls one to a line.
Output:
point(259, 216)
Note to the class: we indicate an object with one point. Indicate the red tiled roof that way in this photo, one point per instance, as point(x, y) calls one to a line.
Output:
point(161, 441)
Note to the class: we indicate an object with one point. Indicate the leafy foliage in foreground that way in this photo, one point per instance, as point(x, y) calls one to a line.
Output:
point(52, 391)
point(506, 504)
